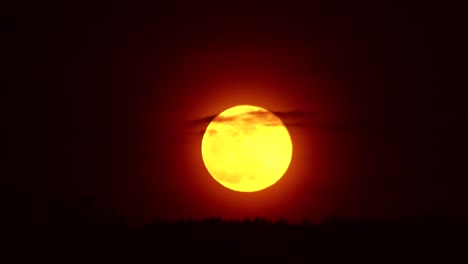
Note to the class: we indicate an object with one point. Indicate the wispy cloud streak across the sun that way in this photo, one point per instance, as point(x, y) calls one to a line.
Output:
point(289, 118)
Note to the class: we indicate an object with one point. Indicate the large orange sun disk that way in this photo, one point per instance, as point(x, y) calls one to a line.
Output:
point(246, 148)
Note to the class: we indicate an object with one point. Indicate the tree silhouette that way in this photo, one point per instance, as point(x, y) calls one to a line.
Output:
point(79, 230)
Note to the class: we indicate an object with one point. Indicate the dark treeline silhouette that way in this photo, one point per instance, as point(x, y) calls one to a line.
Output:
point(81, 232)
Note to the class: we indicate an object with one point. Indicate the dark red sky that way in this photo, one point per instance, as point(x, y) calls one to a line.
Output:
point(106, 102)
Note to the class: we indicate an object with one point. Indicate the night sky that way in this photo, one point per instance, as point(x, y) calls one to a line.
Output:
point(110, 101)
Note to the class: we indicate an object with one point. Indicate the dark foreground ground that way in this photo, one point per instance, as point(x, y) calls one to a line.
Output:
point(416, 240)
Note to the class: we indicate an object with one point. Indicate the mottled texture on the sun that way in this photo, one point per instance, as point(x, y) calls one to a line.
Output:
point(246, 148)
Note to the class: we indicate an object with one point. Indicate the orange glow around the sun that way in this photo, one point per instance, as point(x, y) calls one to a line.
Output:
point(222, 80)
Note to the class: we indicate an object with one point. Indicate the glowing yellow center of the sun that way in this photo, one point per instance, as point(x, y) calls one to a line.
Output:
point(246, 148)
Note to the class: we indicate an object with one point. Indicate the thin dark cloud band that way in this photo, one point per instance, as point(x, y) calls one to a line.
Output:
point(288, 118)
